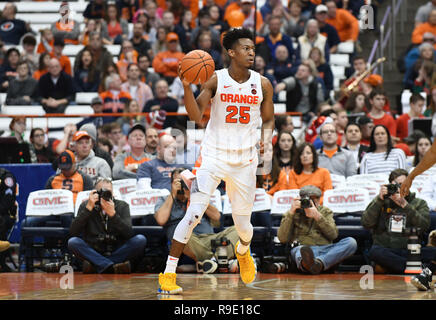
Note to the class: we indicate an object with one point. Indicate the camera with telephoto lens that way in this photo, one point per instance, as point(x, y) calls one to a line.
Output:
point(392, 189)
point(103, 194)
point(54, 267)
point(274, 264)
point(183, 187)
point(219, 246)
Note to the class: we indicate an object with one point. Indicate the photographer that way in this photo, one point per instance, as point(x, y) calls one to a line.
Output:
point(311, 229)
point(390, 217)
point(170, 211)
point(107, 243)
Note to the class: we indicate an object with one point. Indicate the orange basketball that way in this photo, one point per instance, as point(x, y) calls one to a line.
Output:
point(197, 67)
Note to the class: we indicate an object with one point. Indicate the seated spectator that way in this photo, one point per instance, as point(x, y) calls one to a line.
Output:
point(101, 55)
point(425, 50)
point(8, 69)
point(204, 42)
point(108, 219)
point(163, 102)
point(217, 22)
point(28, 54)
point(155, 17)
point(366, 126)
point(332, 157)
point(389, 248)
point(126, 164)
point(283, 123)
point(377, 100)
point(138, 41)
point(303, 92)
point(24, 89)
point(431, 106)
point(128, 56)
point(421, 29)
point(417, 103)
point(99, 152)
point(93, 25)
point(64, 60)
point(357, 103)
point(248, 9)
point(341, 123)
point(117, 27)
point(97, 106)
point(44, 60)
point(281, 67)
point(152, 140)
point(95, 9)
point(127, 122)
point(65, 27)
point(275, 38)
point(160, 45)
point(307, 8)
point(138, 90)
point(283, 154)
point(39, 145)
point(55, 88)
point(148, 31)
point(382, 157)
point(327, 29)
point(87, 161)
point(69, 178)
point(86, 77)
point(345, 23)
point(118, 139)
point(47, 41)
point(105, 144)
point(306, 170)
point(426, 54)
point(422, 145)
point(127, 8)
point(315, 230)
point(114, 98)
point(423, 82)
point(353, 136)
point(17, 126)
point(148, 77)
point(171, 209)
point(160, 168)
point(205, 24)
point(166, 63)
point(12, 29)
point(423, 12)
point(187, 152)
point(323, 68)
point(312, 38)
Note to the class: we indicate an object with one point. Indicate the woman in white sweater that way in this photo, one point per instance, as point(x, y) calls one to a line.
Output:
point(382, 157)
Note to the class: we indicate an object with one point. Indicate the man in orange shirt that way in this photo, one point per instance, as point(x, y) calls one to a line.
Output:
point(58, 47)
point(166, 63)
point(417, 103)
point(344, 22)
point(248, 10)
point(429, 26)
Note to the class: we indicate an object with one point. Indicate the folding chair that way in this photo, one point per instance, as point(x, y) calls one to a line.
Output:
point(52, 210)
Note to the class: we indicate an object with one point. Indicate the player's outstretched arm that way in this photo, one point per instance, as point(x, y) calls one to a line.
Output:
point(196, 107)
point(267, 112)
point(426, 162)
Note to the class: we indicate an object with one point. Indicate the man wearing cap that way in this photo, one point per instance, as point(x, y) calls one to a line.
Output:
point(166, 63)
point(327, 29)
point(417, 103)
point(87, 162)
point(69, 178)
point(92, 131)
point(127, 163)
point(314, 230)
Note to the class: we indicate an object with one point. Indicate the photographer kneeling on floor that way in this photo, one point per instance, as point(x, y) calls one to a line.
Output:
point(311, 229)
point(107, 244)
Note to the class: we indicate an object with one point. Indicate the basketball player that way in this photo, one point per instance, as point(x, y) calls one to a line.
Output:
point(240, 99)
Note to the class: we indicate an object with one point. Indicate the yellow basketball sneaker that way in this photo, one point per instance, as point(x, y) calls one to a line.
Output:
point(247, 268)
point(167, 282)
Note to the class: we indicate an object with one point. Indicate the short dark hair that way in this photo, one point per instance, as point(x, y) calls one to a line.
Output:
point(298, 166)
point(234, 34)
point(30, 40)
point(415, 97)
point(396, 173)
point(376, 92)
point(357, 57)
point(327, 113)
point(33, 131)
point(372, 144)
point(176, 171)
point(352, 124)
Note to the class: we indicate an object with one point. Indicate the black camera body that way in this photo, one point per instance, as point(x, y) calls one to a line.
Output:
point(392, 189)
point(219, 247)
point(305, 203)
point(183, 188)
point(103, 194)
point(54, 267)
point(274, 264)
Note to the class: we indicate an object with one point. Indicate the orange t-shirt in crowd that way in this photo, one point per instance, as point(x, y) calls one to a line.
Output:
point(330, 153)
point(129, 159)
point(75, 183)
point(283, 182)
point(346, 25)
point(403, 125)
point(41, 48)
point(320, 178)
point(419, 31)
point(65, 63)
point(39, 73)
point(67, 27)
point(192, 5)
point(387, 121)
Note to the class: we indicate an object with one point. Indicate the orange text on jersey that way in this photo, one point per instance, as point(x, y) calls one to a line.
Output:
point(239, 98)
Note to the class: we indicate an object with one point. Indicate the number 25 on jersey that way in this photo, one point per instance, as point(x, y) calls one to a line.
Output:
point(244, 115)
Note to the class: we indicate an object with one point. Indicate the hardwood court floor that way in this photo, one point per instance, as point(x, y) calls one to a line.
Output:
point(346, 286)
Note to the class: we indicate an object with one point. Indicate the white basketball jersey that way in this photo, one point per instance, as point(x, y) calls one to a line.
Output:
point(231, 133)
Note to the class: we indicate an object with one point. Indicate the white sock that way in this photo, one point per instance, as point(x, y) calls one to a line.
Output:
point(242, 249)
point(171, 264)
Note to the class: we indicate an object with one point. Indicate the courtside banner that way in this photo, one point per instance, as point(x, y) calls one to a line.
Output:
point(142, 202)
point(418, 183)
point(81, 197)
point(124, 187)
point(337, 180)
point(346, 199)
point(282, 200)
point(380, 178)
point(372, 186)
point(262, 202)
point(49, 202)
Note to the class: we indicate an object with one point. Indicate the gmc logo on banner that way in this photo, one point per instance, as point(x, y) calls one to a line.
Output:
point(49, 201)
point(144, 201)
point(285, 200)
point(128, 189)
point(342, 199)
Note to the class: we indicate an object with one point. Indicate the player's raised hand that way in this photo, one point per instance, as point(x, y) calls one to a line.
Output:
point(184, 81)
point(405, 186)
